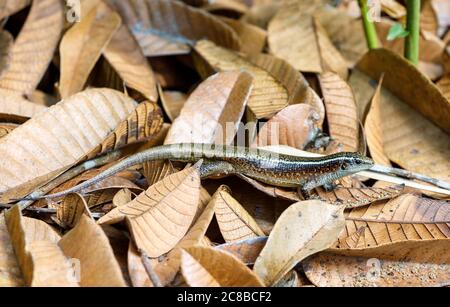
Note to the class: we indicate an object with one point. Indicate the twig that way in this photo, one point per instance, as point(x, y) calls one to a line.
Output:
point(413, 27)
point(369, 27)
point(149, 268)
point(70, 174)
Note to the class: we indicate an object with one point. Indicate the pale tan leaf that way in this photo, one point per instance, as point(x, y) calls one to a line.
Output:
point(234, 221)
point(407, 217)
point(268, 97)
point(213, 112)
point(70, 211)
point(302, 52)
point(402, 264)
point(10, 7)
point(124, 54)
point(34, 47)
point(442, 9)
point(358, 197)
point(253, 38)
point(175, 22)
point(58, 138)
point(160, 217)
point(6, 44)
point(374, 130)
point(303, 229)
point(82, 46)
point(10, 273)
point(136, 269)
point(14, 108)
point(428, 18)
point(342, 115)
point(6, 129)
point(153, 45)
point(98, 266)
point(272, 191)
point(173, 103)
point(41, 260)
point(393, 8)
point(226, 7)
point(246, 250)
point(155, 171)
point(294, 126)
point(204, 266)
point(122, 198)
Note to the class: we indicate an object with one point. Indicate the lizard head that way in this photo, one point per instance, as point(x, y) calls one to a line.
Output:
point(352, 163)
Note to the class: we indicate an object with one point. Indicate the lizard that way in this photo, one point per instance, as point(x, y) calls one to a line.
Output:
point(267, 167)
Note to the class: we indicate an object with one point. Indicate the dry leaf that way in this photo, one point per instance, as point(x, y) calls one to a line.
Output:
point(358, 197)
point(136, 269)
point(173, 102)
point(246, 251)
point(69, 131)
point(70, 211)
point(88, 243)
point(10, 272)
point(122, 198)
point(374, 130)
point(294, 126)
point(234, 221)
point(407, 217)
point(160, 217)
point(268, 97)
point(254, 37)
point(341, 112)
point(6, 129)
point(10, 7)
point(411, 264)
point(6, 44)
point(34, 47)
point(78, 57)
point(204, 267)
point(303, 229)
point(14, 108)
point(442, 9)
point(213, 112)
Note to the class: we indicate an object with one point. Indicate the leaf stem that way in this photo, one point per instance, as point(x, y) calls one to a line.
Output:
point(369, 27)
point(413, 27)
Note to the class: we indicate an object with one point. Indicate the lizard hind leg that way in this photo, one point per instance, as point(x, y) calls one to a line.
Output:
point(216, 169)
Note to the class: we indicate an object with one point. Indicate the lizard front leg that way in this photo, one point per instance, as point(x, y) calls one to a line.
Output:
point(216, 169)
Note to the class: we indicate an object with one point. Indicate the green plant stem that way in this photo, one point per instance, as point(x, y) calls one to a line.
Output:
point(413, 27)
point(369, 27)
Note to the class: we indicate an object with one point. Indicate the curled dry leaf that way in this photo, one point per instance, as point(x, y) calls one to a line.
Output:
point(303, 229)
point(342, 115)
point(155, 171)
point(10, 272)
point(6, 44)
point(173, 22)
point(10, 7)
point(69, 131)
point(78, 58)
point(355, 198)
point(374, 130)
point(294, 126)
point(6, 129)
point(428, 18)
point(89, 244)
point(125, 55)
point(14, 108)
point(407, 217)
point(205, 266)
point(234, 221)
point(207, 114)
point(122, 198)
point(254, 37)
point(402, 264)
point(173, 103)
point(136, 269)
point(34, 47)
point(247, 250)
point(268, 97)
point(160, 217)
point(70, 211)
point(40, 259)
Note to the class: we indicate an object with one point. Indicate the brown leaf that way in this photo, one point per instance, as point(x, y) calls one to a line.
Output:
point(175, 22)
point(253, 38)
point(411, 264)
point(69, 131)
point(88, 243)
point(136, 269)
point(173, 103)
point(428, 18)
point(234, 221)
point(156, 171)
point(407, 217)
point(125, 55)
point(355, 198)
point(246, 251)
point(82, 46)
point(160, 217)
point(216, 103)
point(294, 126)
point(341, 111)
point(204, 267)
point(10, 7)
point(34, 47)
point(41, 260)
point(303, 229)
point(14, 108)
point(122, 198)
point(268, 97)
point(10, 272)
point(374, 130)
point(6, 44)
point(70, 211)
point(442, 9)
point(6, 129)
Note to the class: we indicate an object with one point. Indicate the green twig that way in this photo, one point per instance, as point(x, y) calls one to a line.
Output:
point(413, 27)
point(369, 27)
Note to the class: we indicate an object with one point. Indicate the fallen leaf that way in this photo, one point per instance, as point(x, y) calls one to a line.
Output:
point(71, 210)
point(160, 217)
point(247, 250)
point(254, 37)
point(204, 266)
point(10, 272)
point(6, 44)
point(173, 102)
point(6, 129)
point(428, 18)
point(14, 108)
point(9, 7)
point(34, 47)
